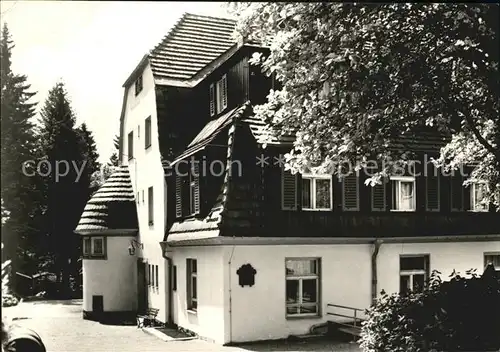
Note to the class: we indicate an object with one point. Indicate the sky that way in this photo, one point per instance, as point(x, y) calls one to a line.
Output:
point(91, 46)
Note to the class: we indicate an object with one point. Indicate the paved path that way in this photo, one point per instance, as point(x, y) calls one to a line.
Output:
point(62, 329)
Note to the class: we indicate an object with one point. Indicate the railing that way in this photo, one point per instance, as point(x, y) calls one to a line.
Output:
point(355, 318)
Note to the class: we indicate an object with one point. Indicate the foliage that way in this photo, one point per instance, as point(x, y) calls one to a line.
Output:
point(8, 299)
point(100, 176)
point(457, 315)
point(357, 76)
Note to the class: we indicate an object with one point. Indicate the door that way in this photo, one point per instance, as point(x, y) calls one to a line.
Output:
point(97, 304)
point(142, 294)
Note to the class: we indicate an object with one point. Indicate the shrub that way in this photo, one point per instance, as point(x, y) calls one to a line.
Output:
point(458, 315)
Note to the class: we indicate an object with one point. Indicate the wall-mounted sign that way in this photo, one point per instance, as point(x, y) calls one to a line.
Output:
point(246, 274)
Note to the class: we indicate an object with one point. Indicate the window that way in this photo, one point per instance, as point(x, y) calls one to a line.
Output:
point(378, 197)
point(94, 247)
point(191, 296)
point(350, 193)
point(138, 131)
point(492, 258)
point(178, 196)
point(413, 272)
point(150, 274)
point(212, 100)
point(478, 200)
point(147, 137)
point(288, 190)
point(432, 190)
point(194, 189)
point(317, 192)
point(221, 94)
point(174, 278)
point(138, 85)
point(457, 193)
point(157, 284)
point(403, 193)
point(150, 206)
point(302, 287)
point(131, 145)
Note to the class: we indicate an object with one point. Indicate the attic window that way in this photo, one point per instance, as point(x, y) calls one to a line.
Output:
point(138, 85)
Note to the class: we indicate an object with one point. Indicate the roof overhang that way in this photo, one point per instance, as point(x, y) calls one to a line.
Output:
point(135, 73)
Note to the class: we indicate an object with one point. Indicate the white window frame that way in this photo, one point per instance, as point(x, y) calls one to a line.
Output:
point(438, 194)
point(220, 90)
point(300, 279)
point(313, 178)
point(400, 179)
point(473, 206)
point(425, 271)
point(92, 253)
point(189, 285)
point(344, 208)
point(491, 254)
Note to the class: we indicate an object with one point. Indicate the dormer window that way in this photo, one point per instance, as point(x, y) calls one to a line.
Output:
point(138, 85)
point(218, 96)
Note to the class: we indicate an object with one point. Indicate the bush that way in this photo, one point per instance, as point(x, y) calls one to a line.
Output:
point(462, 314)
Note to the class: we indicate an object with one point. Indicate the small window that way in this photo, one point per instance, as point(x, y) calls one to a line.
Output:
point(494, 259)
point(478, 196)
point(174, 278)
point(192, 277)
point(150, 206)
point(413, 273)
point(403, 193)
point(221, 89)
point(194, 189)
point(94, 247)
point(317, 192)
point(138, 85)
point(130, 145)
point(147, 137)
point(157, 276)
point(302, 287)
point(350, 193)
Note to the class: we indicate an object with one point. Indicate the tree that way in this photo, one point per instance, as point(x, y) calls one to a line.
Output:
point(70, 156)
point(114, 160)
point(101, 175)
point(20, 197)
point(355, 77)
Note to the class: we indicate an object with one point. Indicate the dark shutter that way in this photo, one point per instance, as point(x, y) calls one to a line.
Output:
point(432, 190)
point(224, 92)
point(288, 190)
point(196, 189)
point(178, 196)
point(379, 197)
point(350, 192)
point(212, 100)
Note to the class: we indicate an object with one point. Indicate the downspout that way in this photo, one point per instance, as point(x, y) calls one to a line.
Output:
point(230, 297)
point(170, 288)
point(376, 246)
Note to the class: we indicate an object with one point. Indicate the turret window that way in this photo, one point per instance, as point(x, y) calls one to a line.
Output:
point(94, 247)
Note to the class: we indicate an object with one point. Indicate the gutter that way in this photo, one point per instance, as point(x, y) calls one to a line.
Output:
point(170, 290)
point(230, 298)
point(376, 247)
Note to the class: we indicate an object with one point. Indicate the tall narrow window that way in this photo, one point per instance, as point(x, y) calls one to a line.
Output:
point(413, 272)
point(194, 189)
point(192, 277)
point(212, 100)
point(174, 278)
point(131, 145)
point(288, 190)
point(147, 137)
point(149, 274)
point(138, 85)
point(150, 206)
point(87, 245)
point(157, 277)
point(403, 193)
point(302, 287)
point(350, 192)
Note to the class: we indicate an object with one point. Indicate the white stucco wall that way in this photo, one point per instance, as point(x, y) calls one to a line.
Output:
point(114, 278)
point(208, 322)
point(444, 257)
point(146, 171)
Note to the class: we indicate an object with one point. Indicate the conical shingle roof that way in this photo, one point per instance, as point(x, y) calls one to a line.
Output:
point(112, 207)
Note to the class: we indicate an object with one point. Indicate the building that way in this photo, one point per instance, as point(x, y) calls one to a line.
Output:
point(236, 250)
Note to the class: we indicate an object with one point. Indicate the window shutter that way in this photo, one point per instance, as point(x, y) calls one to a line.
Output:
point(224, 92)
point(212, 100)
point(196, 191)
point(432, 191)
point(288, 190)
point(178, 198)
point(378, 197)
point(350, 192)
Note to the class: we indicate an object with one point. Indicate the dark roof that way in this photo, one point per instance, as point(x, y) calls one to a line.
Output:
point(263, 132)
point(112, 207)
point(193, 43)
point(211, 130)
